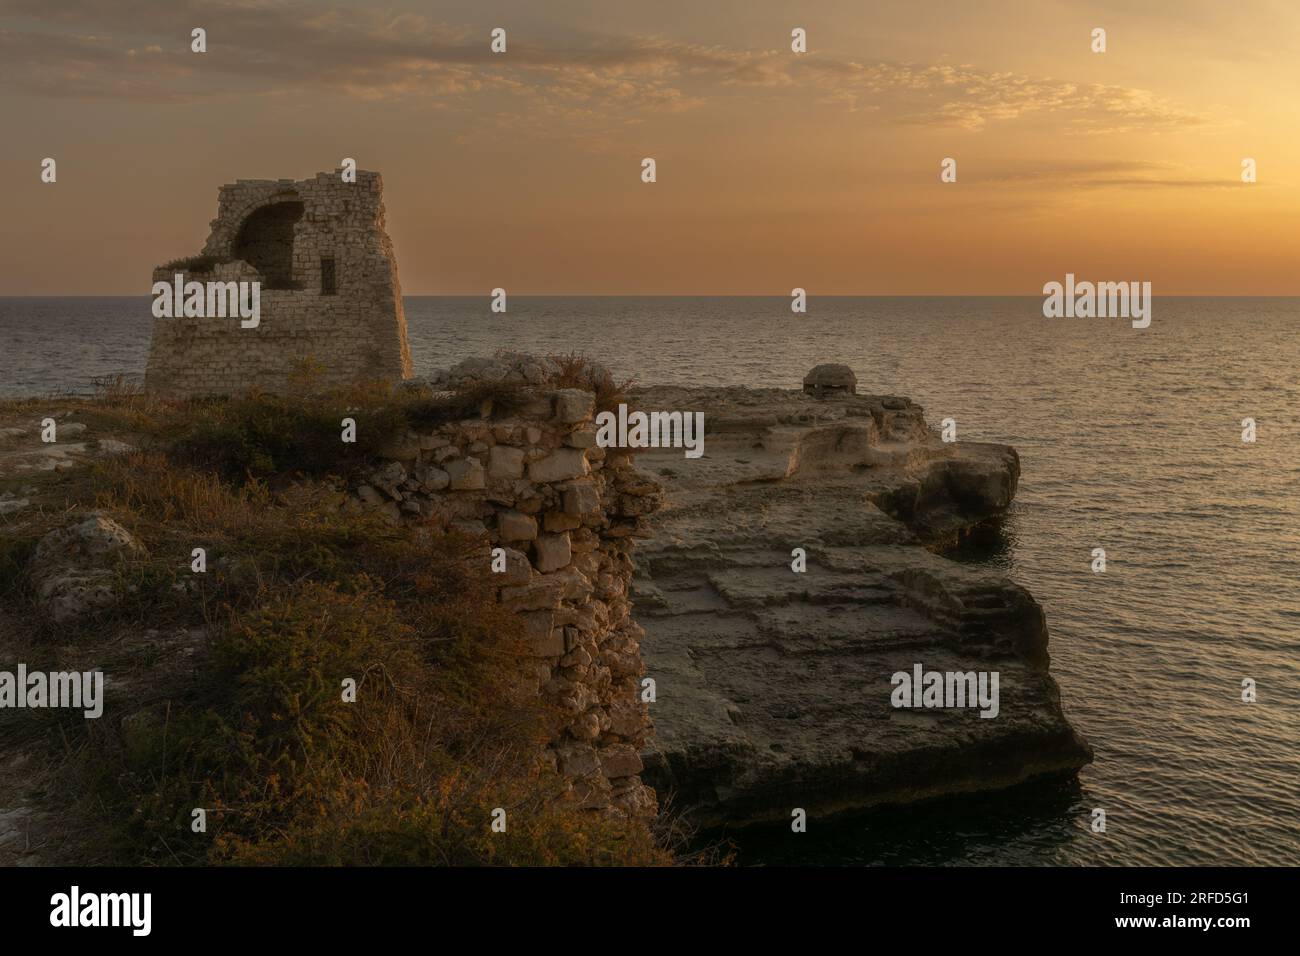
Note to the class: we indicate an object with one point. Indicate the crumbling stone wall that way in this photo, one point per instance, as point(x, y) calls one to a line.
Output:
point(566, 513)
point(286, 234)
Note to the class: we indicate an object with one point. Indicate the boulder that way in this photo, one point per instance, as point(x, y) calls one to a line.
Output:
point(76, 569)
point(830, 379)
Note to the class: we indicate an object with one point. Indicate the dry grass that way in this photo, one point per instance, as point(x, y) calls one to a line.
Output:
point(298, 596)
point(577, 371)
point(195, 264)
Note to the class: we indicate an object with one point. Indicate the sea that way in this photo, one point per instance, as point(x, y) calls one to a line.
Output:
point(1130, 440)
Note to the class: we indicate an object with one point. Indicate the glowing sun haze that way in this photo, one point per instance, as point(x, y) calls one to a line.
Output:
point(775, 169)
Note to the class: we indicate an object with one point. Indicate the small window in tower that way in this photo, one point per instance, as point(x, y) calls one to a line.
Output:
point(327, 277)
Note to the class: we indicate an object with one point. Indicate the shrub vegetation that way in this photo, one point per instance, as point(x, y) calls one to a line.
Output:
point(299, 595)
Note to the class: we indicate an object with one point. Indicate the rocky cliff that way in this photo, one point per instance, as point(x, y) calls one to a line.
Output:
point(708, 668)
point(771, 686)
point(774, 684)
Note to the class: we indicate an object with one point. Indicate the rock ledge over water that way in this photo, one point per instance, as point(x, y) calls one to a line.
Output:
point(773, 687)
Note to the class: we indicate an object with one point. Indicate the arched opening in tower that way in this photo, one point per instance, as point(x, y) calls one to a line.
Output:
point(265, 241)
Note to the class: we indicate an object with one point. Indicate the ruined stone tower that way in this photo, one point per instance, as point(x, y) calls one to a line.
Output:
point(329, 293)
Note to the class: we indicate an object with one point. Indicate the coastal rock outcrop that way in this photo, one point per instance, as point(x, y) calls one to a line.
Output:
point(771, 686)
point(784, 571)
point(774, 685)
point(830, 379)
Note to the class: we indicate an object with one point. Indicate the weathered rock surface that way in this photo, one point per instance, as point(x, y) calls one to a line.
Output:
point(75, 569)
point(830, 379)
point(773, 687)
point(23, 450)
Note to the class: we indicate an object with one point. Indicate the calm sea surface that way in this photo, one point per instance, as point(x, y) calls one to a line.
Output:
point(1130, 440)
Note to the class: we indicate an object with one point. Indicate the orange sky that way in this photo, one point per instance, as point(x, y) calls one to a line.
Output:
point(775, 169)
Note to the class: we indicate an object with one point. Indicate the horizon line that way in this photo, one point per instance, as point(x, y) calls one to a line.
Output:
point(706, 295)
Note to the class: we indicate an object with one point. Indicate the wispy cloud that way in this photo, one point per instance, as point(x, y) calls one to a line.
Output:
point(139, 50)
point(1072, 174)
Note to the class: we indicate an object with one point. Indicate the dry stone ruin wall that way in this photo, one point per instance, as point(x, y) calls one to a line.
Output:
point(531, 481)
point(566, 513)
point(330, 294)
